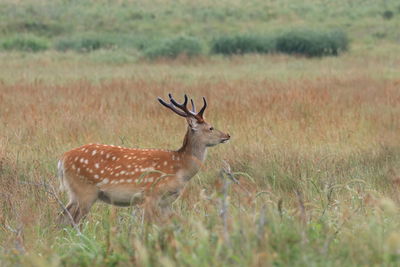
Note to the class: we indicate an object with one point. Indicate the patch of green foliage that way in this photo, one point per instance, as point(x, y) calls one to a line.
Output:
point(306, 42)
point(242, 44)
point(86, 43)
point(172, 48)
point(312, 43)
point(27, 43)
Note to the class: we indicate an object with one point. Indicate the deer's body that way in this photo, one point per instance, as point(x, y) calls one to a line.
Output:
point(126, 176)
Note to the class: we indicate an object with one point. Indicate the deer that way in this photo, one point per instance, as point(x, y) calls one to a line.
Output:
point(122, 176)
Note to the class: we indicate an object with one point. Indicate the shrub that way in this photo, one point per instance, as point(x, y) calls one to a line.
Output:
point(33, 26)
point(25, 43)
point(83, 44)
point(172, 48)
point(312, 43)
point(388, 14)
point(228, 45)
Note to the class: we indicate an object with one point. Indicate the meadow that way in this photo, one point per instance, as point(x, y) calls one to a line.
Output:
point(310, 177)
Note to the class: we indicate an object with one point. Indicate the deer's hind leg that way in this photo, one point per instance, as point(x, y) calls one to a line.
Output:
point(82, 196)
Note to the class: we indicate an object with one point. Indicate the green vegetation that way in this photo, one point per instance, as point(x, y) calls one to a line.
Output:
point(312, 43)
point(172, 48)
point(228, 45)
point(26, 43)
point(221, 27)
point(83, 44)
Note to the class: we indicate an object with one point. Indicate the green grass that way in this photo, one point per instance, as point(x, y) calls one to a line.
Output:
point(25, 43)
point(172, 48)
point(139, 25)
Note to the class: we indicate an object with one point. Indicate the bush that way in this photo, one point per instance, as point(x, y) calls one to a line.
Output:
point(83, 44)
point(228, 45)
point(388, 14)
point(312, 43)
point(172, 48)
point(35, 27)
point(25, 43)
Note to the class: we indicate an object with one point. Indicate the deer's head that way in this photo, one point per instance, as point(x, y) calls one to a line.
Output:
point(199, 129)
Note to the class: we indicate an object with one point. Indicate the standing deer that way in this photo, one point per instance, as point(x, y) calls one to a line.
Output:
point(128, 176)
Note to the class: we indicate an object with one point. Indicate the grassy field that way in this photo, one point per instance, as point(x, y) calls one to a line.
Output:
point(132, 26)
point(315, 142)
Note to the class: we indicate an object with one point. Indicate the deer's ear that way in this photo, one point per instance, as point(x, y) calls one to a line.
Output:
point(193, 123)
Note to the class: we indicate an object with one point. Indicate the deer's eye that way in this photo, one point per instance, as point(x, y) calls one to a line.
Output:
point(211, 128)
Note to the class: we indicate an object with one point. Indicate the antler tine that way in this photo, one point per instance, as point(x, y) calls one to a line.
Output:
point(200, 114)
point(171, 107)
point(182, 106)
point(193, 106)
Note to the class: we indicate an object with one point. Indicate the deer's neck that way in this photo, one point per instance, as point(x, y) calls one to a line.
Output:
point(192, 149)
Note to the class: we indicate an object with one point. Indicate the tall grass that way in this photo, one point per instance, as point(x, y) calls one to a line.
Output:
point(317, 159)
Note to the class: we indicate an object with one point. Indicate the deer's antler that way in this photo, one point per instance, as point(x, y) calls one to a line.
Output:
point(182, 109)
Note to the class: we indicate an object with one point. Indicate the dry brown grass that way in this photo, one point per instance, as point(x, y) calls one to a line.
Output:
point(332, 137)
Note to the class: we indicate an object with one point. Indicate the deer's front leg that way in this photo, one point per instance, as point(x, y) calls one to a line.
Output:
point(158, 208)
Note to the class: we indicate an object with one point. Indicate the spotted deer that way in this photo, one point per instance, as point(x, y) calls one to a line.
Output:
point(124, 176)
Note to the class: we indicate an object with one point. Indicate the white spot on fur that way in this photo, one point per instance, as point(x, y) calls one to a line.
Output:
point(94, 152)
point(86, 161)
point(96, 165)
point(96, 176)
point(114, 158)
